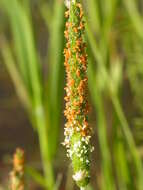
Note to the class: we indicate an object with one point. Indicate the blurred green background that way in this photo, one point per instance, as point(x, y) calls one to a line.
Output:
point(32, 81)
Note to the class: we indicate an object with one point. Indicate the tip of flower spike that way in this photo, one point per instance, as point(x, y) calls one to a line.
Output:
point(17, 174)
point(18, 159)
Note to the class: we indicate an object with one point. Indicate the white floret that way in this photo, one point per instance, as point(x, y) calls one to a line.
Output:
point(76, 146)
point(80, 175)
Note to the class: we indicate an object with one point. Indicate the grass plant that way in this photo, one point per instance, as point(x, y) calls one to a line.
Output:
point(114, 38)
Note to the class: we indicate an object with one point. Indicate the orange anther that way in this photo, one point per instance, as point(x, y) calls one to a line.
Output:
point(72, 82)
point(78, 72)
point(66, 34)
point(67, 14)
point(75, 30)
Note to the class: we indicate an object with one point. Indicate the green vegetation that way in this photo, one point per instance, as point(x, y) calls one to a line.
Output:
point(114, 36)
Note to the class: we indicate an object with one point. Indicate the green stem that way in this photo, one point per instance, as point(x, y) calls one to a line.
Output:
point(44, 148)
point(107, 167)
point(129, 140)
point(117, 106)
point(102, 132)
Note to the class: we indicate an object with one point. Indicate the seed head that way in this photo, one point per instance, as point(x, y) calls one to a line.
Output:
point(77, 130)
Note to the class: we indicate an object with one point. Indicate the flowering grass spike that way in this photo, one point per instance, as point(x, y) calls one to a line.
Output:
point(77, 131)
point(17, 175)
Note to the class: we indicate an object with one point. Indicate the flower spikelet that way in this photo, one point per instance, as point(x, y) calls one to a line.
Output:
point(17, 175)
point(77, 131)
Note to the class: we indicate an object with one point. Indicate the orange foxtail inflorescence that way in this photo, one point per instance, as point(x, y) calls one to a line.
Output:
point(77, 131)
point(17, 175)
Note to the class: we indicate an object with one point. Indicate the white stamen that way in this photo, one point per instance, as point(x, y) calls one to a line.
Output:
point(77, 145)
point(80, 175)
point(92, 149)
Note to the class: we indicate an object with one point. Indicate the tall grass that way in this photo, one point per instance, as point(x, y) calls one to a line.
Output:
point(115, 44)
point(26, 73)
point(106, 83)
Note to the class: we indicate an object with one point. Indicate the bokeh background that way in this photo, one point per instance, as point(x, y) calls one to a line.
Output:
point(32, 80)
